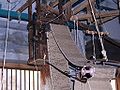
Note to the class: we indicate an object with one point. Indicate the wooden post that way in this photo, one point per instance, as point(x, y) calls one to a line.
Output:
point(30, 28)
point(68, 11)
point(38, 8)
point(60, 8)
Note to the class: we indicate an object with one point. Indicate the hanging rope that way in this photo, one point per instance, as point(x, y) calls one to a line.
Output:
point(89, 85)
point(93, 43)
point(6, 43)
point(97, 28)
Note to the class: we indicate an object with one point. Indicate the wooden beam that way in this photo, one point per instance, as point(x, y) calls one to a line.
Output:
point(104, 20)
point(64, 7)
point(52, 10)
point(60, 6)
point(53, 4)
point(38, 7)
point(102, 15)
point(81, 6)
point(29, 10)
point(23, 66)
point(25, 6)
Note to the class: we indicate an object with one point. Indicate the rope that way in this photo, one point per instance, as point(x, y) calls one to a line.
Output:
point(93, 43)
point(97, 28)
point(89, 85)
point(6, 41)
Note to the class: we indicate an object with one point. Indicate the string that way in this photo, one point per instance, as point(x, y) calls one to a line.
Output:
point(89, 85)
point(97, 28)
point(6, 44)
point(93, 43)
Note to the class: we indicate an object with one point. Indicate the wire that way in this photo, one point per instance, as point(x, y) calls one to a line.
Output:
point(6, 41)
point(97, 28)
point(89, 85)
point(93, 43)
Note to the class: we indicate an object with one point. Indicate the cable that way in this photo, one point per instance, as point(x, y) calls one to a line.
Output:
point(6, 41)
point(93, 43)
point(97, 28)
point(89, 85)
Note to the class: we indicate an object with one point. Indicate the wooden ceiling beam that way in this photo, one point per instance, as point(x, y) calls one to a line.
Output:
point(64, 7)
point(104, 20)
point(30, 10)
point(98, 15)
point(25, 6)
point(81, 6)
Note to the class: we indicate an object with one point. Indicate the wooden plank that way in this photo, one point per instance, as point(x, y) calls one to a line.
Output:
point(102, 15)
point(23, 66)
point(63, 38)
point(118, 83)
point(24, 6)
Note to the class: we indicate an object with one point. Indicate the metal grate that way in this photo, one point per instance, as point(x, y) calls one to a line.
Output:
point(15, 79)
